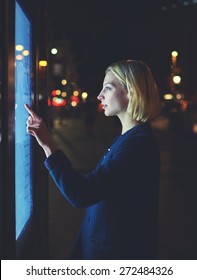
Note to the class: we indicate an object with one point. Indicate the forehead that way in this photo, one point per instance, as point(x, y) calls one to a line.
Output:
point(111, 79)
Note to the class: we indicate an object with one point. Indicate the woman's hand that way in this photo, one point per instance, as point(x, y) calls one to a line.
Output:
point(37, 128)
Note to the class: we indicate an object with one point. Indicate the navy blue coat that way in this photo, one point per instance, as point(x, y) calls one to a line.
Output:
point(120, 196)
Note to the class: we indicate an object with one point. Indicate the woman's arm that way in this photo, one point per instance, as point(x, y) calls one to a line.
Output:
point(37, 128)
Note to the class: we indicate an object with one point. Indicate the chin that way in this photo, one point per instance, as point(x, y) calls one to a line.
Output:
point(107, 114)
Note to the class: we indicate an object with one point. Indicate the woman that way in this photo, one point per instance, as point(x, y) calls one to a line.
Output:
point(121, 194)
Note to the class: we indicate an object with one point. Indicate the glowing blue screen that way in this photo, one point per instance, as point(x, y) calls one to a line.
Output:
point(23, 88)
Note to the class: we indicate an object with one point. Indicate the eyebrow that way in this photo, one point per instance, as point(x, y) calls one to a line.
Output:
point(108, 83)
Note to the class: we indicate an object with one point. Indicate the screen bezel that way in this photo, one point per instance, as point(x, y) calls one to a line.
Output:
point(25, 220)
point(26, 237)
point(1, 116)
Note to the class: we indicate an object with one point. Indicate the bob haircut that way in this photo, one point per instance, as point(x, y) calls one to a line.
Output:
point(136, 77)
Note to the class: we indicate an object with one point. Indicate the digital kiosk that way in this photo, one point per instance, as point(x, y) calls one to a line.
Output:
point(23, 204)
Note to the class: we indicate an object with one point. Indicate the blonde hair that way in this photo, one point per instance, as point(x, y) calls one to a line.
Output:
point(136, 77)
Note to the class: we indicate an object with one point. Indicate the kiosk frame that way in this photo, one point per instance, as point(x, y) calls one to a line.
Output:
point(33, 243)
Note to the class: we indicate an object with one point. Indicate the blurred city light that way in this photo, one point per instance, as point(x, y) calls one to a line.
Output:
point(178, 96)
point(184, 105)
point(57, 101)
point(168, 96)
point(73, 103)
point(19, 48)
point(25, 52)
point(75, 98)
point(49, 101)
point(19, 57)
point(176, 80)
point(43, 63)
point(75, 93)
point(58, 92)
point(174, 53)
point(54, 51)
point(64, 82)
point(84, 95)
point(54, 92)
point(64, 94)
point(194, 128)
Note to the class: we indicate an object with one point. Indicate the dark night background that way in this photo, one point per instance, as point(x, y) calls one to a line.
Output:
point(97, 33)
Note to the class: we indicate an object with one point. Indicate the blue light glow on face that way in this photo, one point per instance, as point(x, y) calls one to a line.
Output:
point(23, 92)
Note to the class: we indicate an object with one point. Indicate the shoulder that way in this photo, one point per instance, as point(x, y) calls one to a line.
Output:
point(139, 135)
point(137, 143)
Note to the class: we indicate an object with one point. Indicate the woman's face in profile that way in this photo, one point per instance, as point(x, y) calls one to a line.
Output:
point(114, 98)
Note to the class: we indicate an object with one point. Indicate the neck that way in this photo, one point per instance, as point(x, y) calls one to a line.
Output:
point(129, 126)
point(127, 123)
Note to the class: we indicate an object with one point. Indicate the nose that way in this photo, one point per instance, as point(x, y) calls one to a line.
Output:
point(100, 96)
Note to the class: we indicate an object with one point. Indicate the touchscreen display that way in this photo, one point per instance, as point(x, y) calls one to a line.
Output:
point(23, 92)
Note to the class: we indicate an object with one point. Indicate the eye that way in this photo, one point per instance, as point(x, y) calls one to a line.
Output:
point(108, 88)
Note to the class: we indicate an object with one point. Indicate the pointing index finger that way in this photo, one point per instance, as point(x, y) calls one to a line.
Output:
point(31, 112)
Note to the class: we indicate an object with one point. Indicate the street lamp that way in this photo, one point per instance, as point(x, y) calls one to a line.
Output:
point(173, 78)
point(174, 55)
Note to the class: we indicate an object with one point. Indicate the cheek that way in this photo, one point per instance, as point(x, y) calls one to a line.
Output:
point(124, 100)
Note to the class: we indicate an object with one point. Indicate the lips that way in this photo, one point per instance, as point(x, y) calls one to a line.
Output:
point(104, 106)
